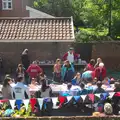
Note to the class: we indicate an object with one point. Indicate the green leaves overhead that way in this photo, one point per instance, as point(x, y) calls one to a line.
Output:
point(87, 14)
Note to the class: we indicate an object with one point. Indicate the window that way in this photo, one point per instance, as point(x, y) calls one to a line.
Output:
point(6, 4)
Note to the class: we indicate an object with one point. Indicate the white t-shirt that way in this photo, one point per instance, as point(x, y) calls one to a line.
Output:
point(20, 91)
point(70, 57)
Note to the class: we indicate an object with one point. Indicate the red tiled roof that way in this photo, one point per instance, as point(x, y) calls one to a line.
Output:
point(41, 29)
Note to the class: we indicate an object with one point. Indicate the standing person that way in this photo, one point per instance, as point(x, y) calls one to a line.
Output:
point(25, 59)
point(57, 71)
point(99, 60)
point(90, 65)
point(20, 90)
point(34, 70)
point(67, 71)
point(100, 72)
point(71, 56)
point(20, 71)
point(6, 90)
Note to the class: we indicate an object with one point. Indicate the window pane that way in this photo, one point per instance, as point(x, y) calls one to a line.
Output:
point(4, 5)
point(9, 5)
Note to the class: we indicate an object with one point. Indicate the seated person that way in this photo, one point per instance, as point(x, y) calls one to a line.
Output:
point(99, 89)
point(106, 83)
point(76, 80)
point(20, 90)
point(33, 84)
point(83, 91)
point(117, 87)
point(45, 90)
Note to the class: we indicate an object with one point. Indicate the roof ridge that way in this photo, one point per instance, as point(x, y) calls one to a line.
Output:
point(29, 18)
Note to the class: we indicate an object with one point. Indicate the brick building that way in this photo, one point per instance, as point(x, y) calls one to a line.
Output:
point(46, 38)
point(14, 8)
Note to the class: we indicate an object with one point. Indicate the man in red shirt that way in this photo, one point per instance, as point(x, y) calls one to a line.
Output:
point(33, 70)
point(71, 56)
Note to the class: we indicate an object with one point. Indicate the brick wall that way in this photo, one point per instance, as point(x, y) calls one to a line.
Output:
point(109, 52)
point(19, 9)
point(41, 51)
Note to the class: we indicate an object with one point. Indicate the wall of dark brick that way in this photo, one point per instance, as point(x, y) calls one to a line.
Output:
point(42, 51)
point(109, 52)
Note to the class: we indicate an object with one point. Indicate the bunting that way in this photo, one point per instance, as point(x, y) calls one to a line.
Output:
point(83, 97)
point(69, 98)
point(12, 103)
point(40, 101)
point(18, 103)
point(26, 103)
point(61, 100)
point(55, 100)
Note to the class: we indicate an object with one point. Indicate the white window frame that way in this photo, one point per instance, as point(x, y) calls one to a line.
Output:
point(6, 1)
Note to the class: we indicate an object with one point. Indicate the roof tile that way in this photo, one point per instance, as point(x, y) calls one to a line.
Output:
point(36, 29)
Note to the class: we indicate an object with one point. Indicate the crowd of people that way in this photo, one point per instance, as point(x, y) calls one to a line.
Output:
point(31, 76)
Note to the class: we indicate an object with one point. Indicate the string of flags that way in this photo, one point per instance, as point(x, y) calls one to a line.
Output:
point(94, 98)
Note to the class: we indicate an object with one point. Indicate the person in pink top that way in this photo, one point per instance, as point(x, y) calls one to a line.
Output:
point(90, 65)
point(34, 70)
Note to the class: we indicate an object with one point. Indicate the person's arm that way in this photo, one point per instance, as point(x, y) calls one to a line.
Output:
point(65, 56)
point(12, 93)
point(28, 70)
point(50, 92)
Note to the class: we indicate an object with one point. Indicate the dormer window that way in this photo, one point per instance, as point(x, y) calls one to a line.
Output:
point(7, 4)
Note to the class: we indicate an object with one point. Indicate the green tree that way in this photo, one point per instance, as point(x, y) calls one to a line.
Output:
point(94, 14)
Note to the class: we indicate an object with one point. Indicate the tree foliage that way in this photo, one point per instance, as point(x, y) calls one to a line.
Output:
point(94, 14)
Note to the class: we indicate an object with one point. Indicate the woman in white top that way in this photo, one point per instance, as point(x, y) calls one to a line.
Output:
point(45, 90)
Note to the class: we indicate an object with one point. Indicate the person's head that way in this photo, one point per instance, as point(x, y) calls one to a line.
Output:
point(69, 85)
point(20, 67)
point(33, 81)
point(108, 109)
point(101, 65)
point(71, 50)
point(106, 81)
point(82, 85)
point(99, 84)
point(78, 75)
point(67, 62)
point(25, 51)
point(117, 85)
point(58, 61)
point(7, 81)
point(44, 85)
point(20, 79)
point(92, 61)
point(99, 60)
point(34, 62)
point(95, 80)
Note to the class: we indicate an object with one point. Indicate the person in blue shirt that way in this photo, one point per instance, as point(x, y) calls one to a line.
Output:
point(77, 79)
point(83, 91)
point(67, 71)
point(99, 89)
